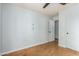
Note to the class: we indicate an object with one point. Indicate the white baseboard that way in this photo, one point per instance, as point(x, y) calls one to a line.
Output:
point(24, 48)
point(61, 45)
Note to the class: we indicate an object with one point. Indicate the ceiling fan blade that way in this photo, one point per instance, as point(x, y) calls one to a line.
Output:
point(46, 5)
point(63, 3)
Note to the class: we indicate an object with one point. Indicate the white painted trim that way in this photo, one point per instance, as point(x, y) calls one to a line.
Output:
point(61, 45)
point(24, 48)
point(68, 48)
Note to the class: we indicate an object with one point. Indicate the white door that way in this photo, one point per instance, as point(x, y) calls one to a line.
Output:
point(66, 31)
point(51, 30)
point(69, 27)
point(70, 31)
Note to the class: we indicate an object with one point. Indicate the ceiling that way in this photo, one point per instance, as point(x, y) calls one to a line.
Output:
point(51, 10)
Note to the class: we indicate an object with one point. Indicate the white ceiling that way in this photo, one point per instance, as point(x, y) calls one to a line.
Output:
point(51, 10)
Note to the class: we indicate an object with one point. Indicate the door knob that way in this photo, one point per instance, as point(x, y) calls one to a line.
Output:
point(67, 33)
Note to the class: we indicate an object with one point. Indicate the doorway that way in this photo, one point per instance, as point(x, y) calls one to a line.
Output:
point(56, 30)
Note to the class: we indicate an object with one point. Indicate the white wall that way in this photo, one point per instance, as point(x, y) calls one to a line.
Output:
point(0, 29)
point(56, 17)
point(17, 28)
point(69, 22)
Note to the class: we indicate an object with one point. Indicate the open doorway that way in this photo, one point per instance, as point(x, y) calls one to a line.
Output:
point(56, 30)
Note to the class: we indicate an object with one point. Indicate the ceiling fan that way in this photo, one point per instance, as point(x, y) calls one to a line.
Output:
point(46, 4)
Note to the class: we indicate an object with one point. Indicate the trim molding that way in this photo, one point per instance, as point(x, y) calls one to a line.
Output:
point(24, 47)
point(62, 45)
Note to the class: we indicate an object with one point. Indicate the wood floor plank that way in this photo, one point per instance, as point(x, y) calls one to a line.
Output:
point(48, 49)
